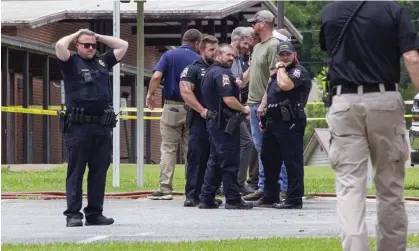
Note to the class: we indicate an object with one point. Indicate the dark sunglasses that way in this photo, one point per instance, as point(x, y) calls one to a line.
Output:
point(87, 45)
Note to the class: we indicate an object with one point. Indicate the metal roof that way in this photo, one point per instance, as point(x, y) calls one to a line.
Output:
point(46, 49)
point(37, 13)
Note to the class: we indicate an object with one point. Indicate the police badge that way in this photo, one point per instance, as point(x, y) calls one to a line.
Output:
point(101, 62)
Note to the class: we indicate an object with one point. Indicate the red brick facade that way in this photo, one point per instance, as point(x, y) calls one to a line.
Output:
point(49, 34)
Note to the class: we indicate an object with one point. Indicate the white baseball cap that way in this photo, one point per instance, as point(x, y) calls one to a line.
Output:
point(279, 36)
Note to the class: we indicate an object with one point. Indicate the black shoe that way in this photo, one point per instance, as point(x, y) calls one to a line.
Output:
point(74, 222)
point(189, 202)
point(213, 205)
point(218, 201)
point(98, 220)
point(286, 205)
point(239, 205)
point(262, 203)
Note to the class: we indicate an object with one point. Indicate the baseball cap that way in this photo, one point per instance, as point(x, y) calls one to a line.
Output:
point(285, 46)
point(262, 15)
point(280, 36)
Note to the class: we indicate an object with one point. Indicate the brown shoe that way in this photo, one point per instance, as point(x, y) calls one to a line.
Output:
point(160, 196)
point(253, 196)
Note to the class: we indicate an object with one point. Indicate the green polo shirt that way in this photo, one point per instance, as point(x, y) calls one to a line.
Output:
point(263, 59)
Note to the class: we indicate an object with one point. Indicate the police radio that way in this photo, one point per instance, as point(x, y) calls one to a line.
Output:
point(328, 89)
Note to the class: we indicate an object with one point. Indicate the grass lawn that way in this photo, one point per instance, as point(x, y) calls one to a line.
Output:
point(317, 179)
point(283, 244)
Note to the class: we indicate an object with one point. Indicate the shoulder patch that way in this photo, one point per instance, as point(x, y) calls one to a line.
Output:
point(226, 80)
point(296, 73)
point(101, 62)
point(184, 72)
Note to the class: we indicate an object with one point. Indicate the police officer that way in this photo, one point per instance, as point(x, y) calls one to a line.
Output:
point(88, 121)
point(287, 95)
point(366, 118)
point(224, 116)
point(198, 144)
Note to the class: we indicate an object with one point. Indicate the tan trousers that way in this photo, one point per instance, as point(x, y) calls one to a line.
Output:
point(363, 125)
point(173, 131)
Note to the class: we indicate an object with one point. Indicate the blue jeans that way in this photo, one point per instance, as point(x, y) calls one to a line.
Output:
point(257, 140)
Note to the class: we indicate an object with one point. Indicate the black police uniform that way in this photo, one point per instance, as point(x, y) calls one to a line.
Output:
point(283, 138)
point(87, 127)
point(198, 144)
point(224, 158)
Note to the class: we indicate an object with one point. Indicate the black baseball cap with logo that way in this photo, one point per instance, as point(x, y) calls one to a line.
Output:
point(285, 46)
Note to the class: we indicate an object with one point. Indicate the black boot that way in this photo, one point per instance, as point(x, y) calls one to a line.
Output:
point(98, 220)
point(208, 205)
point(74, 222)
point(239, 205)
point(189, 202)
point(287, 205)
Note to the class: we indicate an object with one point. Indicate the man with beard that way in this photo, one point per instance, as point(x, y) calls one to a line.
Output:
point(198, 145)
point(240, 41)
point(263, 60)
point(88, 121)
point(284, 128)
point(221, 96)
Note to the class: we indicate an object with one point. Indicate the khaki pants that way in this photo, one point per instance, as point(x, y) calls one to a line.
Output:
point(173, 132)
point(363, 125)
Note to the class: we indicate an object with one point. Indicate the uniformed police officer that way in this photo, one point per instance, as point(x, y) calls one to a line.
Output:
point(287, 95)
point(225, 114)
point(198, 145)
point(88, 121)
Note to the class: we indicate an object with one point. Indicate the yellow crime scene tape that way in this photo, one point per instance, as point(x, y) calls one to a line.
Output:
point(55, 112)
point(16, 109)
point(155, 110)
point(58, 108)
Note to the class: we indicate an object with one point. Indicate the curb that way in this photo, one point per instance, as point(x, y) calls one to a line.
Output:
point(54, 195)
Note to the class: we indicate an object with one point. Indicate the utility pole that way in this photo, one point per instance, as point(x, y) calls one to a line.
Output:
point(281, 14)
point(116, 99)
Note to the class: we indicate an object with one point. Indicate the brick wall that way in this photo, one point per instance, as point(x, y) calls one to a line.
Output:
point(49, 34)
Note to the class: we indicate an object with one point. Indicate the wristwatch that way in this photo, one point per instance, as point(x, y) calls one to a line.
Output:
point(279, 65)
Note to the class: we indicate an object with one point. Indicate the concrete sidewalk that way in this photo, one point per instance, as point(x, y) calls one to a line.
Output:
point(29, 167)
point(146, 220)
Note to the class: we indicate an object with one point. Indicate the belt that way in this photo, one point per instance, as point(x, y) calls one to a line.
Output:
point(347, 89)
point(173, 102)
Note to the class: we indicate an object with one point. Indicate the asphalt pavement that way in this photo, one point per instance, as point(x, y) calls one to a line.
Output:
point(42, 221)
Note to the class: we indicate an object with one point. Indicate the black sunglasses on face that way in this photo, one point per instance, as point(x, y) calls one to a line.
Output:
point(87, 45)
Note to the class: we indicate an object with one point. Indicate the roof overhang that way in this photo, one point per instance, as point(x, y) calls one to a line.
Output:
point(32, 15)
point(19, 43)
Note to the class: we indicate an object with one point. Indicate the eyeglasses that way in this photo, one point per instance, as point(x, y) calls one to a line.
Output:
point(87, 45)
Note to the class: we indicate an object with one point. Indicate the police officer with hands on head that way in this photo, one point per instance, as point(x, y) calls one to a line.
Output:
point(224, 116)
point(198, 145)
point(88, 121)
point(284, 125)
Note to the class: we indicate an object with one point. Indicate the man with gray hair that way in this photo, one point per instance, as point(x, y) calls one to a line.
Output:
point(240, 41)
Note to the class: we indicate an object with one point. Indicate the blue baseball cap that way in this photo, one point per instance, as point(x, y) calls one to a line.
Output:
point(285, 46)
